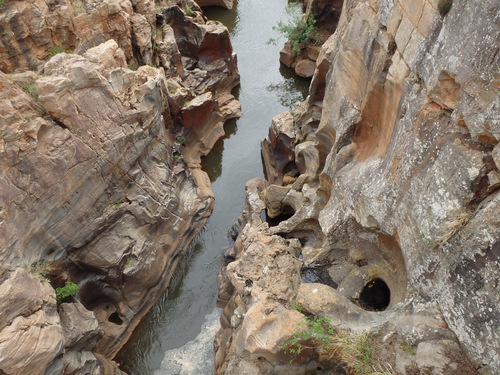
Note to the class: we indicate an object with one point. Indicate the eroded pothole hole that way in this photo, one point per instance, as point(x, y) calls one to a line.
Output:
point(375, 296)
point(115, 318)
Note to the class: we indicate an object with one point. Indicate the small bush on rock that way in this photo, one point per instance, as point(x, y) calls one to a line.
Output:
point(68, 290)
point(299, 31)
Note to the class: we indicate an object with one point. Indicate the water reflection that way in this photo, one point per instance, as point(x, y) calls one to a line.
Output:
point(177, 319)
point(290, 90)
point(228, 18)
point(212, 163)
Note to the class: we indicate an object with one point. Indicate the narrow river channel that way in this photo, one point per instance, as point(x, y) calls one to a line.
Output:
point(176, 336)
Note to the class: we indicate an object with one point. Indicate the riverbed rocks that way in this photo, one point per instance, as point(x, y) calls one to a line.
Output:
point(383, 183)
point(101, 181)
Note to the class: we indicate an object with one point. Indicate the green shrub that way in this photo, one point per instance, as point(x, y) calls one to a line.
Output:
point(299, 31)
point(57, 49)
point(318, 333)
point(68, 290)
point(181, 139)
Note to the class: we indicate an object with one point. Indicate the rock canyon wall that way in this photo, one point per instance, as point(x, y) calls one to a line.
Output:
point(381, 204)
point(105, 112)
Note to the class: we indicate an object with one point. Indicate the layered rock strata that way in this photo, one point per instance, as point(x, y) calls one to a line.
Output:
point(101, 181)
point(385, 179)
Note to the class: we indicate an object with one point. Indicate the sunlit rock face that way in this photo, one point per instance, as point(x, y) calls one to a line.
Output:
point(100, 179)
point(383, 186)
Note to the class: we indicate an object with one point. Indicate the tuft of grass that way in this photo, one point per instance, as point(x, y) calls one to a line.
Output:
point(117, 203)
point(317, 333)
point(357, 352)
point(407, 348)
point(32, 90)
point(298, 307)
point(427, 240)
point(39, 269)
point(186, 103)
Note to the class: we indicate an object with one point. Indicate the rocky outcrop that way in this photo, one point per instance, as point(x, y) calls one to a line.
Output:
point(326, 15)
point(382, 202)
point(101, 181)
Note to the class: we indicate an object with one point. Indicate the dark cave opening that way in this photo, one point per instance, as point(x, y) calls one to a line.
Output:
point(375, 296)
point(115, 318)
point(286, 213)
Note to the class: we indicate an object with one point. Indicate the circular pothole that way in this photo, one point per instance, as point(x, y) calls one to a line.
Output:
point(375, 296)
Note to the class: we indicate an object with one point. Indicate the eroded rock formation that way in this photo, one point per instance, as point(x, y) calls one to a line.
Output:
point(385, 179)
point(101, 181)
point(326, 14)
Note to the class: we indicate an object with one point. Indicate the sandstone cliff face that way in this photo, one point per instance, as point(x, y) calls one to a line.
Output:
point(389, 172)
point(101, 181)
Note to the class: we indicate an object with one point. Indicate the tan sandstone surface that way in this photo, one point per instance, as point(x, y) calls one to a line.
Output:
point(100, 178)
point(388, 171)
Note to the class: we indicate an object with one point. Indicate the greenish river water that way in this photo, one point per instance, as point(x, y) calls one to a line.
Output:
point(176, 336)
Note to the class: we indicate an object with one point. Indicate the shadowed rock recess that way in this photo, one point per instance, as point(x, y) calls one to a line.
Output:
point(381, 205)
point(104, 115)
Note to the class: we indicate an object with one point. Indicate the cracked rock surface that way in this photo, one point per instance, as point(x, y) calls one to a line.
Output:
point(382, 192)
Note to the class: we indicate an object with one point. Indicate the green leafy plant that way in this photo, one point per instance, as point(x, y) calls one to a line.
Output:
point(181, 139)
point(427, 240)
point(32, 90)
point(298, 307)
point(177, 157)
point(2, 3)
point(317, 333)
point(58, 49)
point(68, 290)
point(190, 10)
point(186, 103)
point(299, 31)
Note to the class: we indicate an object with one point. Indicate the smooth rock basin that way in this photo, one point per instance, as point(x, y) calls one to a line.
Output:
point(180, 322)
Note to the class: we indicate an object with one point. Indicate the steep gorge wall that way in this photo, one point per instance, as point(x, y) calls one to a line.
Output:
point(389, 171)
point(101, 181)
